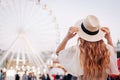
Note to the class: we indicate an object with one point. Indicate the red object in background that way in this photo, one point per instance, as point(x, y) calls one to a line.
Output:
point(118, 63)
point(113, 76)
point(54, 76)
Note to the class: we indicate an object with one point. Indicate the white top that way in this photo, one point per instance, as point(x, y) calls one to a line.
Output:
point(69, 58)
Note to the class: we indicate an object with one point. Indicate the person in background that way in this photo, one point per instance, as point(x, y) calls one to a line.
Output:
point(33, 76)
point(17, 77)
point(25, 76)
point(94, 56)
point(30, 76)
point(1, 74)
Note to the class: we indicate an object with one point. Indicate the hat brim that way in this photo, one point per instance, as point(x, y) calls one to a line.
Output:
point(92, 38)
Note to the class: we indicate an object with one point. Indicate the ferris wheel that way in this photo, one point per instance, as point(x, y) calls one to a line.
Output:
point(27, 28)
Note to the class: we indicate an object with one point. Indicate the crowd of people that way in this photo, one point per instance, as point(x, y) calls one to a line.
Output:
point(32, 76)
point(47, 76)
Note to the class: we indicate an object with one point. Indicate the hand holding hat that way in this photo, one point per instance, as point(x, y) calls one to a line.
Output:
point(72, 32)
point(107, 31)
point(107, 35)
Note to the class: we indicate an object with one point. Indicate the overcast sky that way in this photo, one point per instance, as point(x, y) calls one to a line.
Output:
point(69, 11)
point(24, 18)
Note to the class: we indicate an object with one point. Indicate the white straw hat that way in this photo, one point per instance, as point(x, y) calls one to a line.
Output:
point(89, 29)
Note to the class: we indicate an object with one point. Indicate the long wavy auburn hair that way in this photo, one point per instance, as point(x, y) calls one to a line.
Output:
point(95, 59)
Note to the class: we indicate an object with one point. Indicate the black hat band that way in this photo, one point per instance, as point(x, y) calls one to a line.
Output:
point(87, 31)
